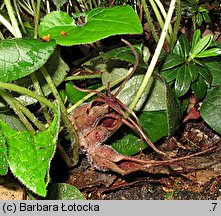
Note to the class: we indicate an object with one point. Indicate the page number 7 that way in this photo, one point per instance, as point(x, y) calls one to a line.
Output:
point(214, 206)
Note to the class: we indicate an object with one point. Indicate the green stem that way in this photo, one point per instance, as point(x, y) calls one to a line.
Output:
point(26, 8)
point(38, 90)
point(24, 91)
point(176, 25)
point(64, 115)
point(89, 76)
point(162, 10)
point(113, 83)
point(11, 101)
point(155, 56)
point(7, 25)
point(13, 19)
point(159, 18)
point(37, 16)
point(19, 17)
point(149, 20)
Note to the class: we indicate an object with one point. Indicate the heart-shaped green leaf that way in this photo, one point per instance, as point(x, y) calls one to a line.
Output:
point(97, 24)
point(20, 57)
point(29, 155)
point(63, 191)
point(57, 69)
point(159, 113)
point(210, 110)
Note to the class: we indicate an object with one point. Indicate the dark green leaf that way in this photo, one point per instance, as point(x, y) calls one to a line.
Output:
point(63, 191)
point(202, 45)
point(209, 53)
point(170, 75)
point(214, 67)
point(12, 120)
point(199, 87)
point(182, 47)
point(20, 57)
point(99, 23)
point(171, 60)
point(196, 38)
point(125, 54)
point(3, 155)
point(128, 145)
point(199, 19)
point(73, 94)
point(206, 17)
point(193, 71)
point(183, 81)
point(57, 69)
point(155, 124)
point(29, 156)
point(205, 72)
point(210, 110)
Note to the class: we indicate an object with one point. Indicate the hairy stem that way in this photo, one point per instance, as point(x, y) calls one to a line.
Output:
point(37, 16)
point(24, 91)
point(149, 20)
point(155, 57)
point(38, 90)
point(89, 76)
point(11, 101)
point(64, 115)
point(176, 25)
point(159, 18)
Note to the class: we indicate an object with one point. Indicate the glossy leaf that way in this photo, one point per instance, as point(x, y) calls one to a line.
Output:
point(214, 67)
point(99, 23)
point(3, 155)
point(210, 110)
point(171, 60)
point(170, 75)
point(57, 69)
point(20, 57)
point(193, 71)
point(209, 53)
point(63, 191)
point(182, 47)
point(205, 72)
point(125, 54)
point(183, 81)
point(202, 45)
point(196, 38)
point(29, 155)
point(199, 87)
